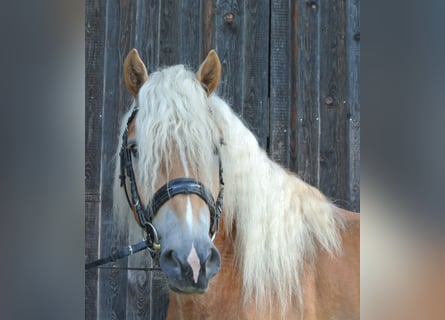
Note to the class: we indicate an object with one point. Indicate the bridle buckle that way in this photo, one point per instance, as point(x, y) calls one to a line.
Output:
point(154, 246)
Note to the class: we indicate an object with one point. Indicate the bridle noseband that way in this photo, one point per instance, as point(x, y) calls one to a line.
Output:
point(165, 193)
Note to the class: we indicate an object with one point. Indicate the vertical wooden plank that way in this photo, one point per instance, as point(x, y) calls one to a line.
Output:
point(256, 67)
point(294, 90)
point(140, 286)
point(169, 50)
point(229, 45)
point(207, 27)
point(280, 81)
point(94, 46)
point(119, 39)
point(308, 107)
point(353, 104)
point(92, 205)
point(242, 31)
point(160, 292)
point(147, 291)
point(147, 32)
point(190, 35)
point(332, 101)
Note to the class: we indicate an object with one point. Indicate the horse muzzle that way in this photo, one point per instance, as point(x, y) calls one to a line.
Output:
point(190, 268)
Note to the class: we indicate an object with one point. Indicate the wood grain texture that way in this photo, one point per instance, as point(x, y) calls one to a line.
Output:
point(280, 81)
point(229, 22)
point(294, 90)
point(119, 40)
point(94, 46)
point(208, 26)
point(353, 104)
point(308, 103)
point(160, 301)
point(189, 37)
point(169, 48)
point(139, 297)
point(147, 32)
point(256, 68)
point(332, 101)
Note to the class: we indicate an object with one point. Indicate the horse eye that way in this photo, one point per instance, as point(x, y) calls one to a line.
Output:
point(134, 150)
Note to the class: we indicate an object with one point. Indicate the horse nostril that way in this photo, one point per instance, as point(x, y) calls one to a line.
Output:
point(170, 255)
point(170, 258)
point(212, 263)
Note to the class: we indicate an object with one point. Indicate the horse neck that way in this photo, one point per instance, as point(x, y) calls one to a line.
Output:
point(272, 212)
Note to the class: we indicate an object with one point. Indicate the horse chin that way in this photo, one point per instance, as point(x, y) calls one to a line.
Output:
point(187, 289)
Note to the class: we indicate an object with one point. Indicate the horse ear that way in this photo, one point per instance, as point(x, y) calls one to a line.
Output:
point(135, 72)
point(209, 73)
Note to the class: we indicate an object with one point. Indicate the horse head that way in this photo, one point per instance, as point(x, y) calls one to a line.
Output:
point(171, 169)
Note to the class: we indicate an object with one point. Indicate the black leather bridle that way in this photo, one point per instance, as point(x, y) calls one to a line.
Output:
point(165, 193)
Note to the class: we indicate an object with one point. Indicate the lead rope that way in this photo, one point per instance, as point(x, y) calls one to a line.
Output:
point(118, 254)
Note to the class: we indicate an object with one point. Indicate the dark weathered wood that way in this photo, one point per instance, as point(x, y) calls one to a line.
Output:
point(294, 70)
point(189, 38)
point(138, 306)
point(207, 27)
point(353, 104)
point(169, 48)
point(159, 304)
point(308, 83)
point(229, 21)
point(119, 40)
point(280, 81)
point(332, 100)
point(91, 244)
point(140, 293)
point(94, 46)
point(255, 67)
point(147, 32)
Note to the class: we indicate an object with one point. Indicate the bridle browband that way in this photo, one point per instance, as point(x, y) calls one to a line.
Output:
point(165, 193)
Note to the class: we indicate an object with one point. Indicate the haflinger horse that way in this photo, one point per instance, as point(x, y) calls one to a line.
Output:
point(284, 251)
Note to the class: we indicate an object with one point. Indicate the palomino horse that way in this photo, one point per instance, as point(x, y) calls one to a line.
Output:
point(284, 251)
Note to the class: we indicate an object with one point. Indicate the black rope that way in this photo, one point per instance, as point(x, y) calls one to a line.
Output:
point(130, 268)
point(116, 255)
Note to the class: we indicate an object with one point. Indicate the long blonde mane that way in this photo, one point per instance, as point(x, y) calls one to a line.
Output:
point(280, 220)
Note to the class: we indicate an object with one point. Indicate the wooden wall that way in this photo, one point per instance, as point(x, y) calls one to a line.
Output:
point(290, 70)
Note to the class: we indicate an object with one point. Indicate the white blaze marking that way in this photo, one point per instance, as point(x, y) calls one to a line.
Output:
point(192, 258)
point(189, 214)
point(195, 263)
